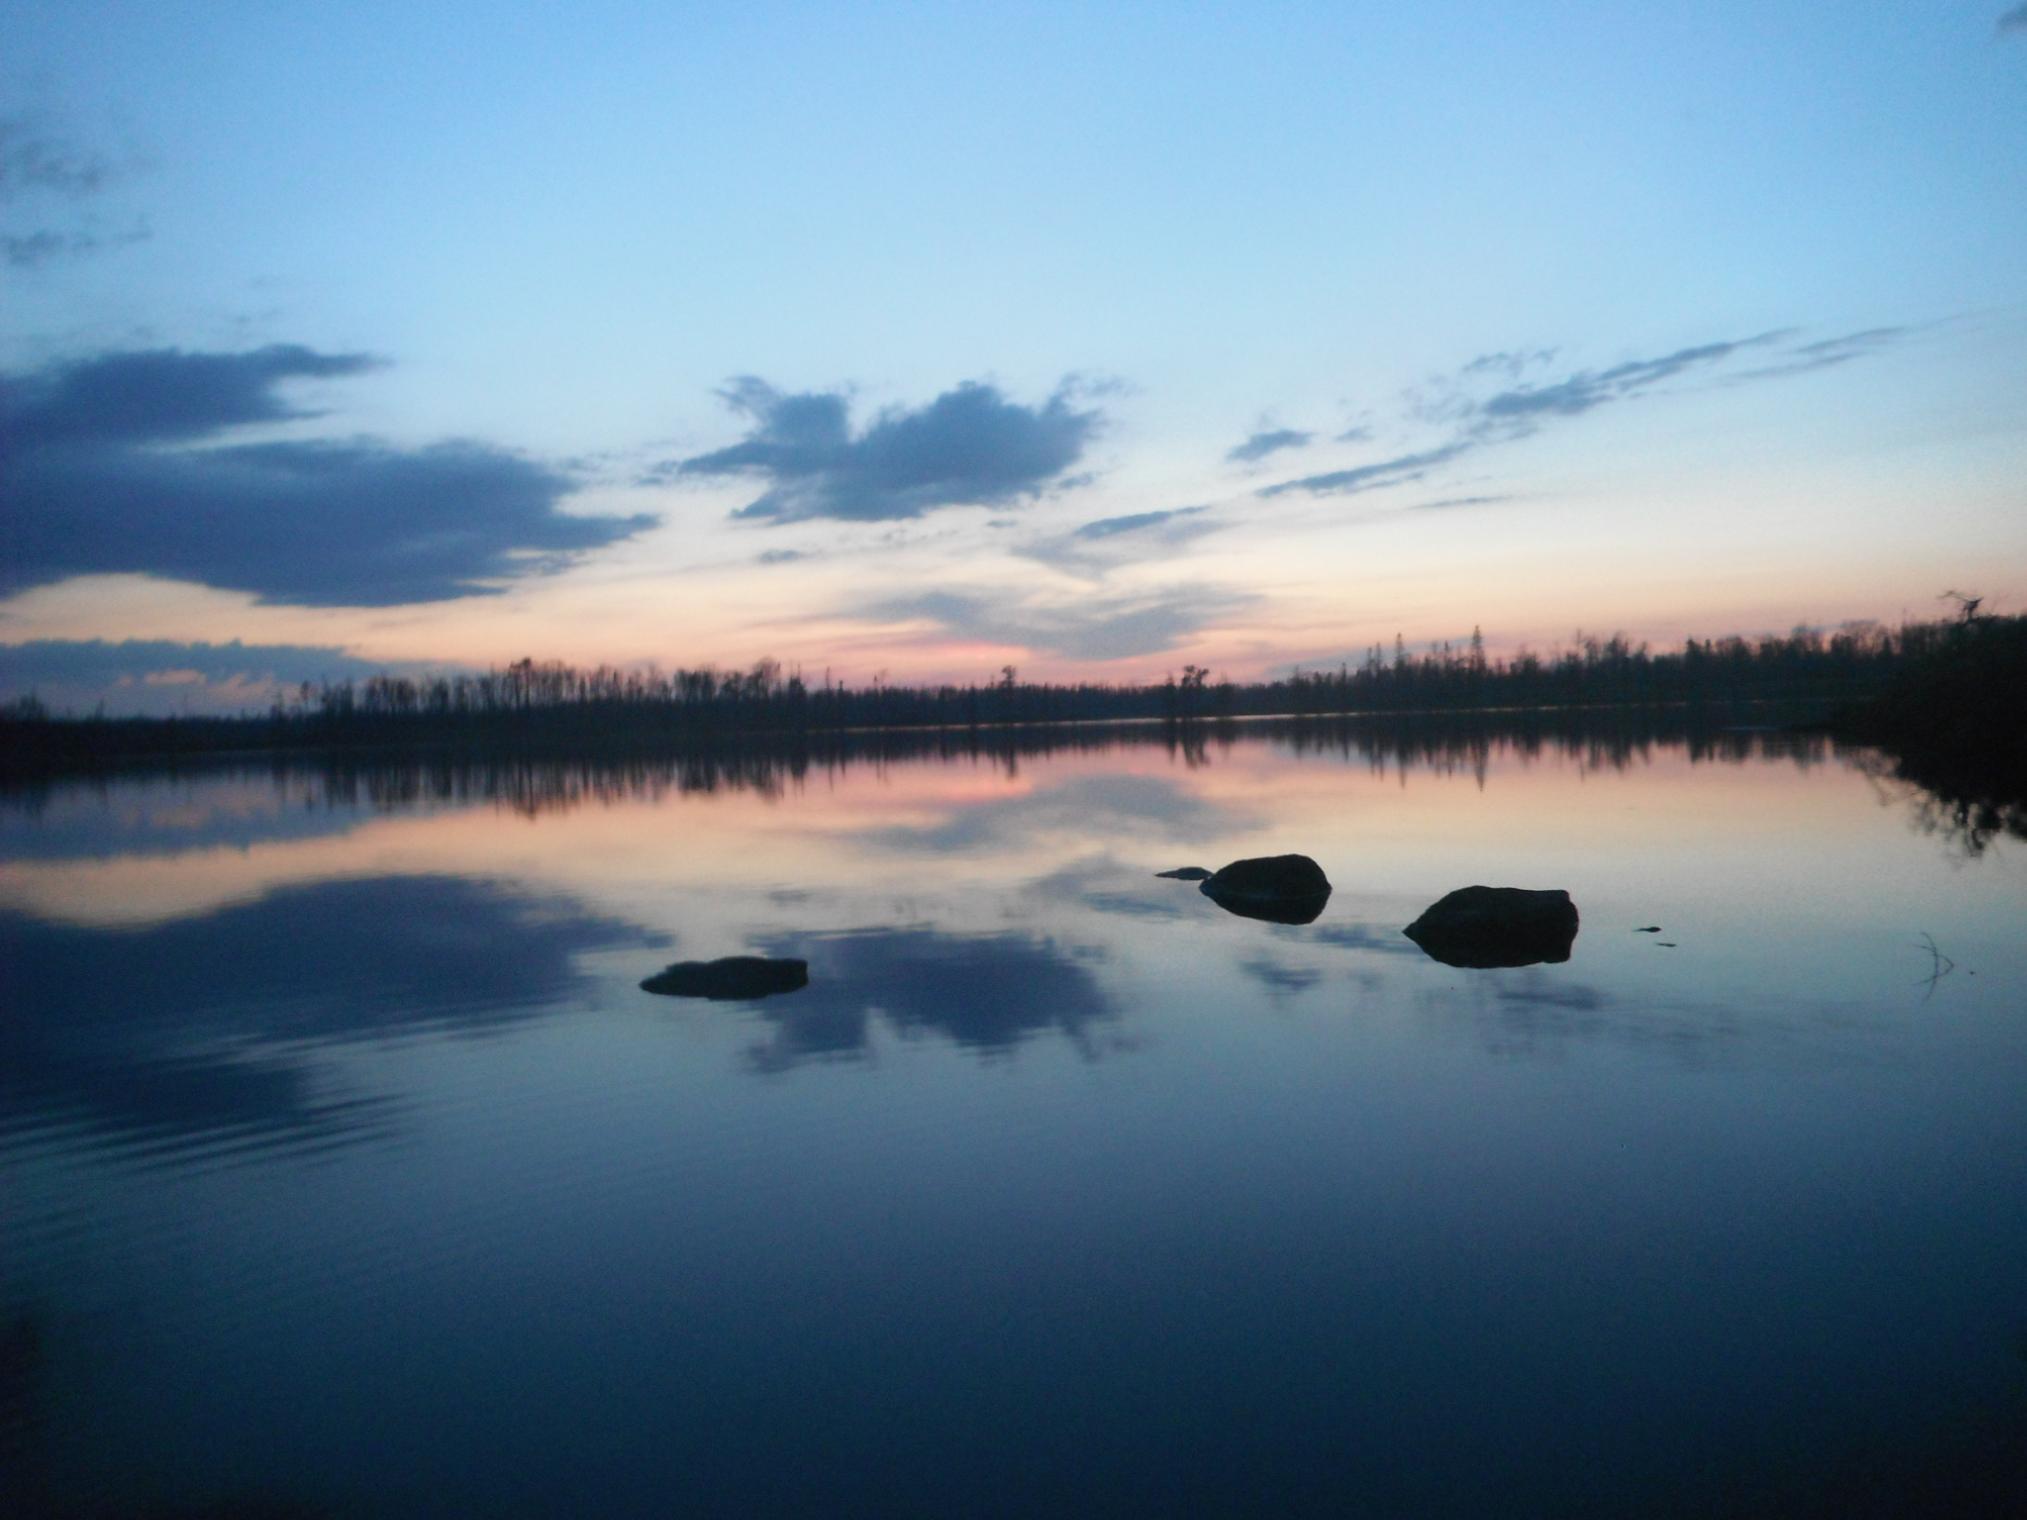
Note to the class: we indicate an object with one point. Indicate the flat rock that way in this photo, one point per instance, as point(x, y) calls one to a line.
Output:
point(1486, 927)
point(1185, 873)
point(733, 978)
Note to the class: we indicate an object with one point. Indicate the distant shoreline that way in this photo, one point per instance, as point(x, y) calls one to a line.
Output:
point(58, 748)
point(1949, 687)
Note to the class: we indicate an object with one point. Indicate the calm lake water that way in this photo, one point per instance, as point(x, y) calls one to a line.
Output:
point(349, 1171)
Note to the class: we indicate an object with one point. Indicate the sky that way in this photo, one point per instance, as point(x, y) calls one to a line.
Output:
point(915, 341)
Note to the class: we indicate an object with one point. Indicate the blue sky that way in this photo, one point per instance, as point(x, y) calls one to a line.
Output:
point(1097, 339)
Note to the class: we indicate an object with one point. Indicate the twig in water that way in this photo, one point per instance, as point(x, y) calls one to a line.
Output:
point(1940, 965)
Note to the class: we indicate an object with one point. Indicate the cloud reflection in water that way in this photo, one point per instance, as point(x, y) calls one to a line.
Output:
point(202, 1029)
point(987, 993)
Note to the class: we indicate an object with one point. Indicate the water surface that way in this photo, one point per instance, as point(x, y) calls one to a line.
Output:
point(349, 1168)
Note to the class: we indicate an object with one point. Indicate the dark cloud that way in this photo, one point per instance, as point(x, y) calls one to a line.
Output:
point(33, 249)
point(162, 395)
point(1271, 441)
point(164, 676)
point(32, 158)
point(100, 479)
point(1371, 477)
point(1094, 628)
point(968, 447)
point(42, 173)
point(2014, 20)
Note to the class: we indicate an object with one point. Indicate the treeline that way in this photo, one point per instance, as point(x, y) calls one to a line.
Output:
point(536, 705)
point(1954, 722)
point(1806, 664)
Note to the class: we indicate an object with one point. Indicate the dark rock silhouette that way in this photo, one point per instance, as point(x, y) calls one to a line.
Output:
point(1484, 927)
point(733, 978)
point(1186, 873)
point(1270, 877)
point(1281, 889)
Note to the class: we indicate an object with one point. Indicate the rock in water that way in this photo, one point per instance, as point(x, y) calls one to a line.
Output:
point(1484, 927)
point(1282, 889)
point(733, 978)
point(1186, 873)
point(1270, 876)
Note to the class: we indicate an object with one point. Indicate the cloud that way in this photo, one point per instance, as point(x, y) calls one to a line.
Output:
point(1137, 522)
point(779, 556)
point(968, 447)
point(2014, 20)
point(1444, 504)
point(104, 477)
point(1091, 628)
point(164, 676)
point(39, 167)
point(228, 1038)
point(1476, 420)
point(1270, 441)
point(1095, 547)
point(32, 158)
point(1371, 477)
point(1826, 352)
point(1585, 391)
point(33, 249)
point(163, 395)
point(1510, 362)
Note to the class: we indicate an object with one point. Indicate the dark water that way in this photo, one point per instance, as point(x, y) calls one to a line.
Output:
point(348, 1171)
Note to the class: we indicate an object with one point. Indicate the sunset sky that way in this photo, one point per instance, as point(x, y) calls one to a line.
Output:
point(927, 339)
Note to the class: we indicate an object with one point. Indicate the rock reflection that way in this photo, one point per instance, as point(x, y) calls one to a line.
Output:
point(987, 993)
point(204, 1029)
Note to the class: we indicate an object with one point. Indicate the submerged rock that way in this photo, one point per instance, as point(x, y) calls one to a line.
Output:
point(1484, 927)
point(735, 977)
point(1281, 889)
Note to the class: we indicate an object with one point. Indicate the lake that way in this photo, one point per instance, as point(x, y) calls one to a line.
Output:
point(349, 1170)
